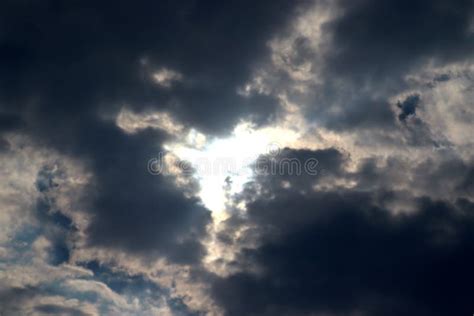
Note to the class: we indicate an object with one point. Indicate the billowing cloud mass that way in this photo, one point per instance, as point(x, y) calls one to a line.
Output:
point(306, 157)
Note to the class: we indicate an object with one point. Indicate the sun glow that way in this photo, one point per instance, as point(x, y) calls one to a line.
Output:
point(223, 165)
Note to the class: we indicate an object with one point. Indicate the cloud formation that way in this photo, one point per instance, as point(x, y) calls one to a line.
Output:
point(348, 249)
point(378, 95)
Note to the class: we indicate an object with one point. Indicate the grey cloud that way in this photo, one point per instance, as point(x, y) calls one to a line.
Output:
point(362, 56)
point(366, 235)
point(343, 251)
point(69, 67)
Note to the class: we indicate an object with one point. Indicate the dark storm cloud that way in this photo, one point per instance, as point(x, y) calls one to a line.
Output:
point(77, 55)
point(329, 242)
point(66, 65)
point(8, 122)
point(386, 38)
point(132, 210)
point(340, 252)
point(293, 166)
point(371, 47)
point(351, 256)
point(355, 112)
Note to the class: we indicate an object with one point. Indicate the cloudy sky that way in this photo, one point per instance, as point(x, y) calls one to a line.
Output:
point(270, 157)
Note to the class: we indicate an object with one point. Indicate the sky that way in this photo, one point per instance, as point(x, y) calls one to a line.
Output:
point(229, 158)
